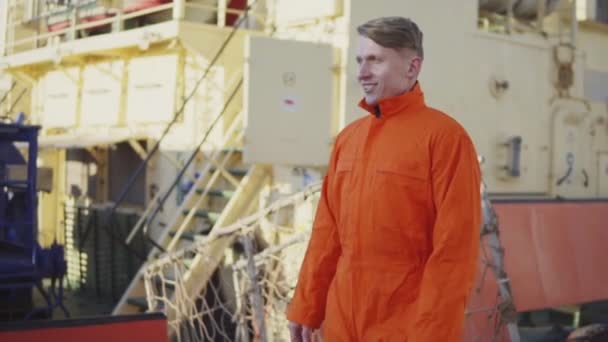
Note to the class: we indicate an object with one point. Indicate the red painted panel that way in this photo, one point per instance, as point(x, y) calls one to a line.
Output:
point(231, 18)
point(149, 330)
point(143, 4)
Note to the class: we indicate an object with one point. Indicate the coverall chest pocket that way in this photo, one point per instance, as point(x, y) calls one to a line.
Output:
point(400, 201)
point(342, 183)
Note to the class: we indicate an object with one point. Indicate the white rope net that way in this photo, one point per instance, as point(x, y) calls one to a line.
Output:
point(245, 298)
point(249, 271)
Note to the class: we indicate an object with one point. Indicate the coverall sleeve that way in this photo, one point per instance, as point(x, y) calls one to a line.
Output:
point(450, 270)
point(319, 266)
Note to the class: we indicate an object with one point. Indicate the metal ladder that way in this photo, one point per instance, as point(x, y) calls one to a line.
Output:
point(181, 228)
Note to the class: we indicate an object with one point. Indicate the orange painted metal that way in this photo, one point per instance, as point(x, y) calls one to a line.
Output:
point(556, 253)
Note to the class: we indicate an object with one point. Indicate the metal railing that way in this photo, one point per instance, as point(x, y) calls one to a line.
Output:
point(113, 18)
point(563, 27)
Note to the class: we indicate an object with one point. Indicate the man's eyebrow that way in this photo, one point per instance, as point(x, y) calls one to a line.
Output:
point(367, 57)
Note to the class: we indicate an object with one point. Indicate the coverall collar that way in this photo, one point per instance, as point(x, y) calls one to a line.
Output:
point(395, 105)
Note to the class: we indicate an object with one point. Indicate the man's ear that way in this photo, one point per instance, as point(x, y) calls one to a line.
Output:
point(414, 66)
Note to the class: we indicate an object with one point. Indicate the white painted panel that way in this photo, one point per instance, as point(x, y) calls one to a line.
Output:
point(289, 10)
point(596, 85)
point(573, 165)
point(101, 93)
point(207, 102)
point(288, 101)
point(60, 95)
point(460, 66)
point(151, 89)
point(603, 175)
point(3, 25)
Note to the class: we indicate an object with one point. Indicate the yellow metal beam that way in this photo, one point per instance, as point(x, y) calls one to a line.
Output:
point(136, 146)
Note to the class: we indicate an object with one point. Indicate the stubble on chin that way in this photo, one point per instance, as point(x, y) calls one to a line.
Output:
point(371, 100)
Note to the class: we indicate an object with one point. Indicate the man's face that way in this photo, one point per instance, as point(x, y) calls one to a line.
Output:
point(385, 72)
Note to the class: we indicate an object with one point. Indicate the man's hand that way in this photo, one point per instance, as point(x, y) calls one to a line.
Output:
point(299, 333)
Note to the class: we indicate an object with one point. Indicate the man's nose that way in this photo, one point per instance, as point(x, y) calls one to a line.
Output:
point(364, 72)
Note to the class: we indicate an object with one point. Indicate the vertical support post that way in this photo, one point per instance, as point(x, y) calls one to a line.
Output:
point(509, 16)
point(270, 18)
point(77, 222)
point(71, 35)
point(540, 14)
point(4, 22)
point(574, 23)
point(39, 23)
point(131, 271)
point(149, 290)
point(113, 224)
point(80, 84)
point(10, 33)
point(221, 13)
point(242, 333)
point(118, 23)
point(59, 191)
point(576, 319)
point(101, 188)
point(124, 90)
point(96, 251)
point(256, 292)
point(32, 175)
point(179, 9)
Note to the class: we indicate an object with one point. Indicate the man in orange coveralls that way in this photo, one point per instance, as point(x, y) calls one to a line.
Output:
point(394, 246)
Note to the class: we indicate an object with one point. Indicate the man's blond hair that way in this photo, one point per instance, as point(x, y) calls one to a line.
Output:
point(394, 32)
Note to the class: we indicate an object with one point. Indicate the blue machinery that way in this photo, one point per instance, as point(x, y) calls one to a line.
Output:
point(23, 263)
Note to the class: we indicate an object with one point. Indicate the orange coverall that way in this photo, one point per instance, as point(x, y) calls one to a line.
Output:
point(394, 246)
